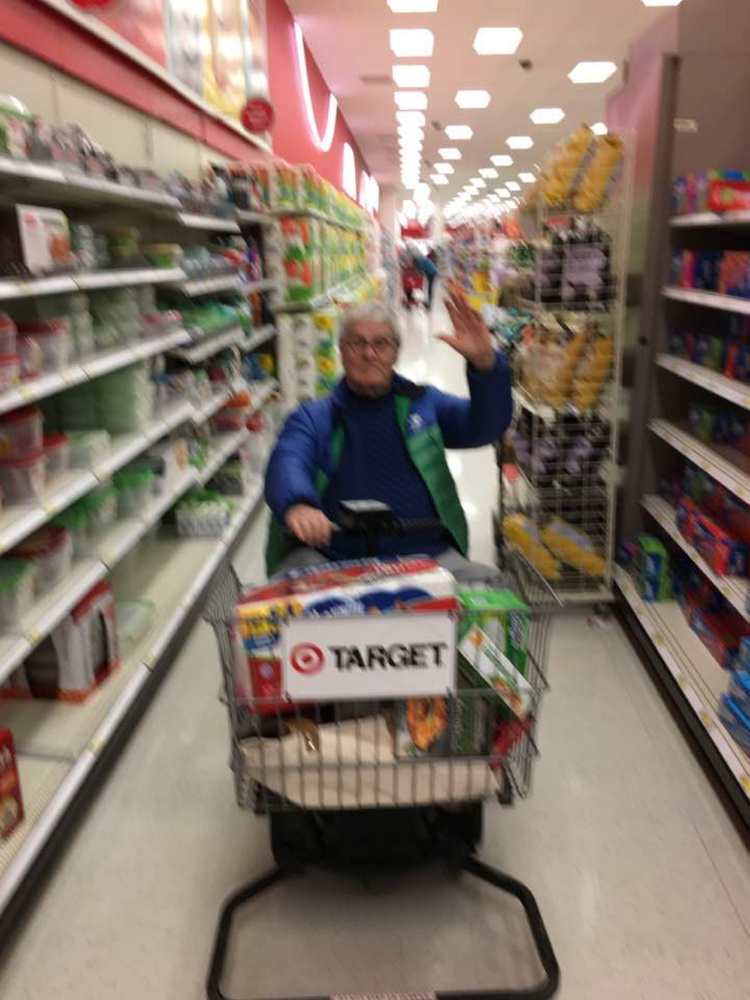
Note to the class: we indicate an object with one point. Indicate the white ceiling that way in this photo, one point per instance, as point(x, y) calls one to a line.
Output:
point(349, 39)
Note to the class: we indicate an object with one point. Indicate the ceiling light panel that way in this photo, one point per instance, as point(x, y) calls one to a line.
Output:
point(410, 100)
point(448, 153)
point(661, 3)
point(592, 72)
point(520, 141)
point(413, 6)
point(408, 76)
point(599, 129)
point(412, 119)
point(547, 116)
point(527, 177)
point(513, 186)
point(438, 179)
point(497, 41)
point(503, 192)
point(472, 98)
point(488, 172)
point(458, 132)
point(411, 42)
point(502, 160)
point(478, 182)
point(443, 168)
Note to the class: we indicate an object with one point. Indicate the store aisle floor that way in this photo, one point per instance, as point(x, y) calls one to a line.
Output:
point(642, 878)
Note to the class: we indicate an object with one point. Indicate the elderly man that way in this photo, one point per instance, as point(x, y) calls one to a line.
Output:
point(381, 437)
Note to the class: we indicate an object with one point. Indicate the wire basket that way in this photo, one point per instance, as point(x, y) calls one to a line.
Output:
point(354, 754)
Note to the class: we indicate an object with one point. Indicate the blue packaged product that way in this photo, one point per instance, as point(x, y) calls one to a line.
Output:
point(702, 422)
point(625, 554)
point(709, 351)
point(677, 345)
point(655, 588)
point(739, 688)
point(736, 722)
point(652, 558)
point(706, 274)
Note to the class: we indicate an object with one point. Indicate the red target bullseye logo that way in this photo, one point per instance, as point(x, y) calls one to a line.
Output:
point(307, 658)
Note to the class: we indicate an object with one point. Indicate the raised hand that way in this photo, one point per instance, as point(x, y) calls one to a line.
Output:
point(470, 336)
point(309, 524)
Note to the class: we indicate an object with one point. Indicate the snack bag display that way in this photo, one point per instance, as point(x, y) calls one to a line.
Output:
point(284, 187)
point(348, 588)
point(522, 533)
point(591, 372)
point(600, 173)
point(573, 547)
point(561, 175)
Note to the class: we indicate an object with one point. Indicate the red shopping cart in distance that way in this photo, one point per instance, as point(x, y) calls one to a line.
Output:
point(411, 282)
point(323, 763)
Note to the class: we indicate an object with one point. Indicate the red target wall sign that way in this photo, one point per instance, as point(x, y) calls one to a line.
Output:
point(258, 115)
point(93, 4)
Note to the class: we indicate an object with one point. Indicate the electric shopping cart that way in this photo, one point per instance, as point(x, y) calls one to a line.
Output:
point(327, 775)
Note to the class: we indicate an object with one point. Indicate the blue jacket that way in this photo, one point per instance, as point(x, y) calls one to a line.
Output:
point(304, 448)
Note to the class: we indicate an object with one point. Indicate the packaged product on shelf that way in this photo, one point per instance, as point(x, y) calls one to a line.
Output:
point(592, 371)
point(101, 508)
point(727, 556)
point(521, 532)
point(709, 351)
point(350, 588)
point(76, 657)
point(17, 588)
point(56, 453)
point(734, 273)
point(285, 193)
point(254, 450)
point(53, 339)
point(50, 550)
point(21, 433)
point(167, 460)
point(8, 334)
point(720, 634)
point(76, 522)
point(682, 268)
point(9, 371)
point(736, 720)
point(11, 800)
point(574, 547)
point(739, 687)
point(15, 128)
point(561, 174)
point(599, 174)
point(22, 480)
point(653, 578)
point(231, 480)
point(87, 448)
point(202, 514)
point(37, 238)
point(134, 487)
point(134, 619)
point(126, 400)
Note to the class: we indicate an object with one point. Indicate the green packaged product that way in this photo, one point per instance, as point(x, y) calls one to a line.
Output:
point(503, 616)
point(437, 727)
point(484, 663)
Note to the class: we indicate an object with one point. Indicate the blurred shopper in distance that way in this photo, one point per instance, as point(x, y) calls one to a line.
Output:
point(381, 437)
point(411, 279)
point(428, 268)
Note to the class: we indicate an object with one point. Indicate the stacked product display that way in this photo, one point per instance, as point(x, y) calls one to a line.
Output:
point(696, 610)
point(567, 342)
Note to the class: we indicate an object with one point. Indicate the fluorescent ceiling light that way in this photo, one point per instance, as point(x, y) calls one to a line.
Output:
point(407, 42)
point(472, 98)
point(661, 3)
point(409, 209)
point(497, 41)
point(438, 179)
point(520, 141)
point(443, 168)
point(502, 160)
point(411, 76)
point(414, 119)
point(405, 132)
point(502, 192)
point(478, 182)
point(547, 116)
point(592, 72)
point(489, 172)
point(599, 129)
point(457, 132)
point(513, 186)
point(422, 194)
point(413, 6)
point(526, 177)
point(448, 153)
point(410, 100)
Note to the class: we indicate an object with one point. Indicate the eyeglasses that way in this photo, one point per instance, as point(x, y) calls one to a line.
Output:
point(380, 346)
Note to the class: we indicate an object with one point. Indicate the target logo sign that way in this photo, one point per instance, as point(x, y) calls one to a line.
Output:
point(307, 658)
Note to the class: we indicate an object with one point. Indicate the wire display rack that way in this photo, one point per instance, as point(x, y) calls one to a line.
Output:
point(563, 442)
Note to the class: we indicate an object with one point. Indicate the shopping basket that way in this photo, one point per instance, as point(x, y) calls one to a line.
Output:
point(342, 791)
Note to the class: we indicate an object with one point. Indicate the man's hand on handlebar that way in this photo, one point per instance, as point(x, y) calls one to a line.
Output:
point(309, 525)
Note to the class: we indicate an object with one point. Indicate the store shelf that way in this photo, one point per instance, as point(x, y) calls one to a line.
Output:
point(18, 288)
point(244, 217)
point(324, 299)
point(701, 680)
point(285, 213)
point(712, 300)
point(260, 336)
point(724, 463)
point(19, 520)
point(125, 447)
point(208, 222)
point(213, 285)
point(544, 411)
point(736, 589)
point(223, 446)
point(710, 219)
point(264, 285)
point(261, 392)
point(727, 388)
point(210, 346)
point(21, 288)
point(206, 410)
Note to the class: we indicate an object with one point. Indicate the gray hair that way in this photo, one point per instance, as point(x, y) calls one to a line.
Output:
point(367, 312)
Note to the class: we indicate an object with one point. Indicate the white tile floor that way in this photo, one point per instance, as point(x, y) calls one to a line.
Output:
point(643, 880)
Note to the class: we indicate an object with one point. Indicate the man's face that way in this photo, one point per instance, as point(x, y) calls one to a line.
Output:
point(369, 353)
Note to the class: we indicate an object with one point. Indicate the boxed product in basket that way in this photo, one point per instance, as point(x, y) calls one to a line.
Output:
point(347, 588)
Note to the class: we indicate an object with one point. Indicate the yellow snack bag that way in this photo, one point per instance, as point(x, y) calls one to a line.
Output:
point(522, 533)
point(573, 547)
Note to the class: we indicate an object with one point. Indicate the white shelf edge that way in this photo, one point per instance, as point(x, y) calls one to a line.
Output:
point(705, 457)
point(264, 285)
point(18, 288)
point(728, 388)
point(93, 367)
point(261, 218)
point(712, 300)
point(208, 409)
point(710, 219)
point(260, 336)
point(126, 276)
point(706, 715)
point(206, 286)
point(734, 588)
point(192, 220)
point(211, 345)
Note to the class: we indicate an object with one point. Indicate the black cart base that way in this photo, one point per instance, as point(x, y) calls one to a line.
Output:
point(363, 841)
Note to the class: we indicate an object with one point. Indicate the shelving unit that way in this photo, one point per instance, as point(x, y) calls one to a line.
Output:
point(720, 385)
point(724, 463)
point(260, 336)
point(209, 223)
point(711, 300)
point(217, 283)
point(209, 346)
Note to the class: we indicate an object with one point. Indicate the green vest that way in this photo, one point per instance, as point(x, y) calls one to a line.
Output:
point(427, 451)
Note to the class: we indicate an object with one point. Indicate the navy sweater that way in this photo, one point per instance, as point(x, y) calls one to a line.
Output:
point(375, 465)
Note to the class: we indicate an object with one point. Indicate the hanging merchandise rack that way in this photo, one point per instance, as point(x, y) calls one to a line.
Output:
point(558, 465)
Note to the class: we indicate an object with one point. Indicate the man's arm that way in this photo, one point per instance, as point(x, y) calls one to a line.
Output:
point(485, 416)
